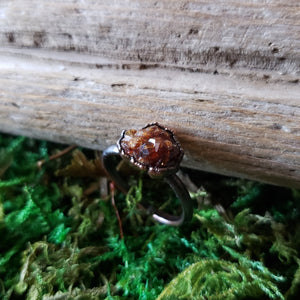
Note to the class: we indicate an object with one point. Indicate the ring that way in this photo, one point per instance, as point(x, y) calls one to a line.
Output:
point(154, 149)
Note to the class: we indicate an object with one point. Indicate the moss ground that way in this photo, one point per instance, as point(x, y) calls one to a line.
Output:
point(61, 238)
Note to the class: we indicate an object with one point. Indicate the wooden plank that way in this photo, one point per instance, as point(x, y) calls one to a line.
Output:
point(226, 124)
point(207, 36)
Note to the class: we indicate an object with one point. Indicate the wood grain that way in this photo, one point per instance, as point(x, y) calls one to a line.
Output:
point(207, 35)
point(226, 125)
point(223, 74)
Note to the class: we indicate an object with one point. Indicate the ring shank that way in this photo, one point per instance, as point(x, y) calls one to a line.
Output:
point(110, 156)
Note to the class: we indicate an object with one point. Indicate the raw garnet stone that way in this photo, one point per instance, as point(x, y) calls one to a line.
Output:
point(153, 148)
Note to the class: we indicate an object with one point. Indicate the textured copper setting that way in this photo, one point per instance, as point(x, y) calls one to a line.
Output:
point(153, 148)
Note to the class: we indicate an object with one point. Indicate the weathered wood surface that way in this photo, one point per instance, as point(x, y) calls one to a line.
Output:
point(225, 76)
point(224, 125)
point(197, 35)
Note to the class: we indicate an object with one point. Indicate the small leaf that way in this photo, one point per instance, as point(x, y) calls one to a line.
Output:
point(5, 160)
point(82, 167)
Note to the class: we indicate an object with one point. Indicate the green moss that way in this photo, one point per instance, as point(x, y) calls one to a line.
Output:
point(61, 240)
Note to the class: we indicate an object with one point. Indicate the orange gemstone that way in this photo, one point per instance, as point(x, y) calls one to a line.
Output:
point(152, 147)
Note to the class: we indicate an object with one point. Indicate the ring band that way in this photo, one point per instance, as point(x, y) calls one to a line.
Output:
point(160, 157)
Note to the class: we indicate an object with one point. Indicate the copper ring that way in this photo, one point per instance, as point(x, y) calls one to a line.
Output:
point(155, 149)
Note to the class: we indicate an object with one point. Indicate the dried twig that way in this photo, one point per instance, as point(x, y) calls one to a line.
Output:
point(56, 155)
point(112, 189)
